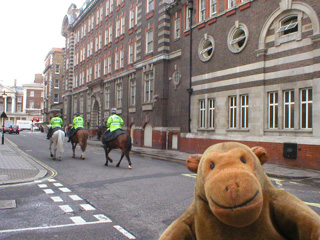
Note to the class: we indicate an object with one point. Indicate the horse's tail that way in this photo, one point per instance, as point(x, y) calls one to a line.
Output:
point(60, 141)
point(128, 143)
point(83, 141)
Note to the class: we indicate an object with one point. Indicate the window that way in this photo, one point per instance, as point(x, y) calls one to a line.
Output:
point(273, 110)
point(231, 3)
point(107, 92)
point(149, 48)
point(31, 93)
point(116, 60)
point(206, 48)
point(244, 111)
point(19, 100)
point(31, 105)
point(105, 66)
point(56, 83)
point(306, 108)
point(110, 33)
point(109, 64)
point(131, 21)
point(19, 108)
point(177, 28)
point(106, 36)
point(133, 89)
point(202, 10)
point(123, 22)
point(131, 56)
point(289, 25)
point(288, 109)
point(121, 58)
point(57, 69)
point(232, 112)
point(238, 38)
point(148, 86)
point(202, 120)
point(150, 5)
point(108, 7)
point(56, 98)
point(119, 93)
point(213, 7)
point(117, 28)
point(188, 17)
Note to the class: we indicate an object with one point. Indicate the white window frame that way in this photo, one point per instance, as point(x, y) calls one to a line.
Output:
point(150, 5)
point(148, 86)
point(56, 83)
point(213, 7)
point(273, 110)
point(133, 89)
point(231, 3)
point(132, 20)
point(57, 69)
point(244, 111)
point(56, 98)
point(307, 104)
point(202, 114)
point(31, 93)
point(123, 24)
point(187, 17)
point(232, 112)
point(119, 92)
point(107, 96)
point(149, 41)
point(177, 28)
point(288, 109)
point(202, 10)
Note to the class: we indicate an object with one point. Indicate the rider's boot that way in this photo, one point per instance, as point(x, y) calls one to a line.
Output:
point(69, 140)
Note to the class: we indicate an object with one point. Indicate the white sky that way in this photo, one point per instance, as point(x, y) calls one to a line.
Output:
point(29, 30)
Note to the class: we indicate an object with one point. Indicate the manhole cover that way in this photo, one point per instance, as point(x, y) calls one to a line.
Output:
point(5, 204)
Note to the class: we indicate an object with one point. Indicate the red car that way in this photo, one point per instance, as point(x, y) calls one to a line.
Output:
point(14, 129)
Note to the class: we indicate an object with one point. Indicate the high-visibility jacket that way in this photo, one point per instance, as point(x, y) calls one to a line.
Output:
point(114, 122)
point(78, 122)
point(56, 122)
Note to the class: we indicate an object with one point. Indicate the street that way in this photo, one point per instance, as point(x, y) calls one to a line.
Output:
point(86, 200)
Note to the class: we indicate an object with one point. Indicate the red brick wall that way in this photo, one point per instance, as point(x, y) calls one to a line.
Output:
point(308, 155)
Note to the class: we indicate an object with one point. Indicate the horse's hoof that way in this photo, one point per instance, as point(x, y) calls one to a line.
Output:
point(106, 164)
point(51, 155)
point(60, 159)
point(129, 167)
point(73, 156)
point(117, 165)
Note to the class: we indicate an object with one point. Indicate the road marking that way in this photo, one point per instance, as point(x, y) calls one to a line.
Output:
point(58, 184)
point(87, 207)
point(51, 180)
point(48, 191)
point(124, 232)
point(75, 197)
point(78, 220)
point(42, 185)
point(38, 181)
point(66, 208)
point(102, 218)
point(64, 189)
point(57, 199)
point(313, 204)
point(192, 175)
point(50, 227)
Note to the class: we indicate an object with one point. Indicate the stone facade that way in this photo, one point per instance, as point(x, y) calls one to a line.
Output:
point(246, 70)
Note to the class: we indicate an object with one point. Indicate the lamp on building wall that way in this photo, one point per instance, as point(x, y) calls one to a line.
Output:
point(3, 115)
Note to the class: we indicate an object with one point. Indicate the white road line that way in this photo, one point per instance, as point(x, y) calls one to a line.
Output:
point(48, 227)
point(64, 189)
point(38, 181)
point(51, 180)
point(48, 191)
point(75, 197)
point(66, 208)
point(124, 232)
point(87, 207)
point(58, 184)
point(102, 218)
point(57, 199)
point(42, 185)
point(78, 220)
point(192, 175)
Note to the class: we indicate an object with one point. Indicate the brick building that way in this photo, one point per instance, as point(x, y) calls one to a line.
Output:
point(53, 83)
point(188, 74)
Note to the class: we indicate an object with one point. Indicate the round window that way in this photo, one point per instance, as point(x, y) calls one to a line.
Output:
point(206, 48)
point(238, 38)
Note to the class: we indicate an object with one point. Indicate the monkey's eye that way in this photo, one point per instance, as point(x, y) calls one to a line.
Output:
point(243, 160)
point(212, 165)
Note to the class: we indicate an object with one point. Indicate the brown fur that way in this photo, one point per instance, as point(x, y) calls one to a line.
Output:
point(234, 199)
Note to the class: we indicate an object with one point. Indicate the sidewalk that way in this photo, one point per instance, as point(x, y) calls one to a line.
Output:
point(18, 167)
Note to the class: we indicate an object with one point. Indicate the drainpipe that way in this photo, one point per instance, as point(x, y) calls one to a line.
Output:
point(190, 90)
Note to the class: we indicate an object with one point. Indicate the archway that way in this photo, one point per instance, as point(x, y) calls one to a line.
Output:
point(147, 135)
point(132, 132)
point(95, 114)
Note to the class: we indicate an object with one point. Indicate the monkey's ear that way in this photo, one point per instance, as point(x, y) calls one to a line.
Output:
point(261, 153)
point(193, 162)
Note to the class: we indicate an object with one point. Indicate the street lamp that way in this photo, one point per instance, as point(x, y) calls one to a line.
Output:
point(3, 115)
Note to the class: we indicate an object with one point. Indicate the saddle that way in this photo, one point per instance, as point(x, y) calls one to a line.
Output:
point(109, 136)
point(74, 131)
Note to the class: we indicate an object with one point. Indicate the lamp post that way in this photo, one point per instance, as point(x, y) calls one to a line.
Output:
point(3, 115)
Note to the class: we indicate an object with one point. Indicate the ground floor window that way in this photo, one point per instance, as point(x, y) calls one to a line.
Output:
point(273, 110)
point(306, 108)
point(206, 113)
point(232, 111)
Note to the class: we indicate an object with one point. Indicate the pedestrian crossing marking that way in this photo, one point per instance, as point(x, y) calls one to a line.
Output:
point(58, 184)
point(124, 232)
point(78, 220)
point(57, 199)
point(42, 185)
point(75, 197)
point(51, 180)
point(66, 208)
point(87, 207)
point(102, 218)
point(64, 190)
point(48, 191)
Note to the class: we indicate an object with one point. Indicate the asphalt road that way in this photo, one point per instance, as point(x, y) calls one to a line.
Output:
point(116, 203)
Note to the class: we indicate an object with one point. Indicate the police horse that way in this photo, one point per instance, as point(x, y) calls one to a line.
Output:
point(122, 141)
point(81, 137)
point(57, 141)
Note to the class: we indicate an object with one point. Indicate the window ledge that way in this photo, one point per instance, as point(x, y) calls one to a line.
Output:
point(238, 130)
point(290, 130)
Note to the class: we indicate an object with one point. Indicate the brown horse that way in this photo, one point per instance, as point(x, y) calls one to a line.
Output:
point(80, 137)
point(123, 142)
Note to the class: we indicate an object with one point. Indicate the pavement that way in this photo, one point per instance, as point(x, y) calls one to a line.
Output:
point(17, 166)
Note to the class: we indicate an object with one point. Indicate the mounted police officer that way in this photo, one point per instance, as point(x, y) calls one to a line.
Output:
point(77, 122)
point(56, 122)
point(113, 123)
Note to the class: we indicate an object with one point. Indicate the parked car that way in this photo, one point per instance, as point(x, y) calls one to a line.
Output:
point(14, 129)
point(7, 126)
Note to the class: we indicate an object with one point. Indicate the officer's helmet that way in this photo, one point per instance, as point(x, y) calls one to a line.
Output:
point(57, 114)
point(113, 110)
point(77, 114)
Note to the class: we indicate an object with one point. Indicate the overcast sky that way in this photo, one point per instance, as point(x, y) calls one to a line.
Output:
point(29, 30)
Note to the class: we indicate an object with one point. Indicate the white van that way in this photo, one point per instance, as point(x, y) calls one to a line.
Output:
point(24, 124)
